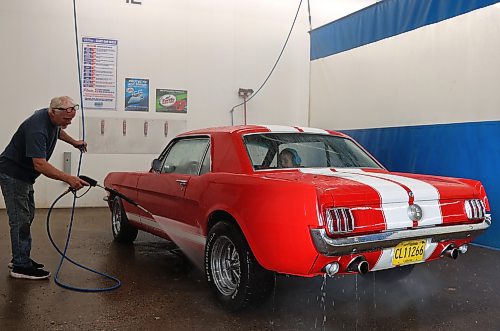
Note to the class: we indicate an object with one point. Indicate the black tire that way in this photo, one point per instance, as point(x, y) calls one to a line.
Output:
point(391, 275)
point(232, 271)
point(123, 232)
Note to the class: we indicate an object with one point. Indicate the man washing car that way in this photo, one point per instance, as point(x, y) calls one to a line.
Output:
point(23, 160)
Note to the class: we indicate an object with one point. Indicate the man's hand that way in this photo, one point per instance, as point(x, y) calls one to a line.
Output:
point(42, 166)
point(81, 145)
point(76, 183)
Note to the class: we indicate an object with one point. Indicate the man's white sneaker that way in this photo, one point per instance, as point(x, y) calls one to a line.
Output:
point(29, 273)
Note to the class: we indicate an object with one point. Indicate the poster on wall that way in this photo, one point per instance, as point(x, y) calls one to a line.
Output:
point(171, 101)
point(99, 72)
point(136, 94)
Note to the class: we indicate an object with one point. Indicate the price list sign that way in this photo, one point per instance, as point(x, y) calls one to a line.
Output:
point(99, 72)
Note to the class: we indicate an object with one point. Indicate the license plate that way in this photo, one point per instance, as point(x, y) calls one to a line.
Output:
point(409, 252)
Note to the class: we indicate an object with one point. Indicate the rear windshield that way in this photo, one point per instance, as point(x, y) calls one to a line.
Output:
point(303, 150)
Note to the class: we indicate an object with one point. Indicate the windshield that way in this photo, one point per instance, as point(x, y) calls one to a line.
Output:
point(303, 150)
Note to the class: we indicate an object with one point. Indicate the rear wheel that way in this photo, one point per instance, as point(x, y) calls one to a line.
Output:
point(123, 232)
point(232, 271)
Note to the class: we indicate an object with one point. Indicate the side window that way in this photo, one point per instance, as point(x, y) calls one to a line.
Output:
point(185, 156)
point(257, 153)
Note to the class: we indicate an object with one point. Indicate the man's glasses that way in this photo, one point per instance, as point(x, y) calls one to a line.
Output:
point(69, 109)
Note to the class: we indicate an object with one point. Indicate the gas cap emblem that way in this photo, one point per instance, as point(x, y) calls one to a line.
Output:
point(415, 212)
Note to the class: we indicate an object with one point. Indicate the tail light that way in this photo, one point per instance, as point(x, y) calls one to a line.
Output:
point(339, 221)
point(474, 209)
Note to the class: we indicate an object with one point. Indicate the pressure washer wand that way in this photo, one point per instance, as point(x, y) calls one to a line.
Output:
point(92, 182)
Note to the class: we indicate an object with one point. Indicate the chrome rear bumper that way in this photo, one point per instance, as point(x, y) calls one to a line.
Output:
point(370, 242)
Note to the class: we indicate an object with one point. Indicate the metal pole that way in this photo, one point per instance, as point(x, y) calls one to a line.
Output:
point(245, 108)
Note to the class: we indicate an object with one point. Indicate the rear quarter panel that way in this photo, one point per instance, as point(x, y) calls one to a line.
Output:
point(274, 215)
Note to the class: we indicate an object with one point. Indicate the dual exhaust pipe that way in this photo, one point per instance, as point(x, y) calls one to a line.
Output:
point(453, 252)
point(360, 265)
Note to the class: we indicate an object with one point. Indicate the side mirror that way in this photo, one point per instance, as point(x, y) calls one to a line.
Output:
point(168, 168)
point(156, 165)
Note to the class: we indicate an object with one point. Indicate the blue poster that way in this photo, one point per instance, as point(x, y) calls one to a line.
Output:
point(136, 94)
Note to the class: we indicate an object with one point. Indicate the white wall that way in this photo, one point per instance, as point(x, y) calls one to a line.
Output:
point(210, 48)
point(441, 73)
point(326, 11)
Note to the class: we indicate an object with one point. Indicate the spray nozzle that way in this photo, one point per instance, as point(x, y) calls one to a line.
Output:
point(92, 182)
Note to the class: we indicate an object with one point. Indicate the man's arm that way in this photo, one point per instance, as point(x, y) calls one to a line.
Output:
point(42, 166)
point(80, 144)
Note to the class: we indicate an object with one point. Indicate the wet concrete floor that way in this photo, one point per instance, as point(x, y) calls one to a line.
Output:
point(161, 291)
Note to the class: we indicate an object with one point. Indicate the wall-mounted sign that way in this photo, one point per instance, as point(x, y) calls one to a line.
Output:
point(136, 94)
point(99, 72)
point(171, 101)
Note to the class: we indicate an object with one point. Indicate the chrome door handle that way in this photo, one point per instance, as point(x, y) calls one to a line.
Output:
point(182, 182)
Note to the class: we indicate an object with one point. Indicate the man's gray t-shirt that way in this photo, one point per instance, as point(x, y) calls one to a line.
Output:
point(36, 137)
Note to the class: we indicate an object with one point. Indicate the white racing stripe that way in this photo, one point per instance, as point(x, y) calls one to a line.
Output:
point(280, 128)
point(425, 195)
point(394, 198)
point(313, 130)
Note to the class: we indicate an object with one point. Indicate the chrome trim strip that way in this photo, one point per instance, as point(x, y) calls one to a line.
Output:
point(340, 246)
point(181, 231)
point(143, 220)
point(351, 221)
point(344, 217)
point(479, 209)
point(337, 221)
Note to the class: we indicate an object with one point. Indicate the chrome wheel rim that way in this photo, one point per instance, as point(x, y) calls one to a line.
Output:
point(225, 265)
point(116, 218)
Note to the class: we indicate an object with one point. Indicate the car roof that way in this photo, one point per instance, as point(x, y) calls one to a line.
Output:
point(246, 129)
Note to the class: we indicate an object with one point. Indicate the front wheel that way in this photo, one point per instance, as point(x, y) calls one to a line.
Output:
point(232, 270)
point(123, 232)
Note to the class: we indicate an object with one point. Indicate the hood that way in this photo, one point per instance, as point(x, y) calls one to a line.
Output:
point(370, 186)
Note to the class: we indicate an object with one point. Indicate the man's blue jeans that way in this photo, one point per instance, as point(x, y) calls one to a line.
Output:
point(20, 204)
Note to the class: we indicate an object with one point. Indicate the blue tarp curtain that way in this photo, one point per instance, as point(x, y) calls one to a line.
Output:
point(371, 24)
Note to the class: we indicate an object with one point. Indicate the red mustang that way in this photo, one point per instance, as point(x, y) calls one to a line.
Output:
point(246, 202)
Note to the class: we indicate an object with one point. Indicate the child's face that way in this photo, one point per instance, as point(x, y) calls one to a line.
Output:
point(286, 160)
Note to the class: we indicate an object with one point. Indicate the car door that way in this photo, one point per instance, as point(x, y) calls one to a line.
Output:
point(163, 193)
